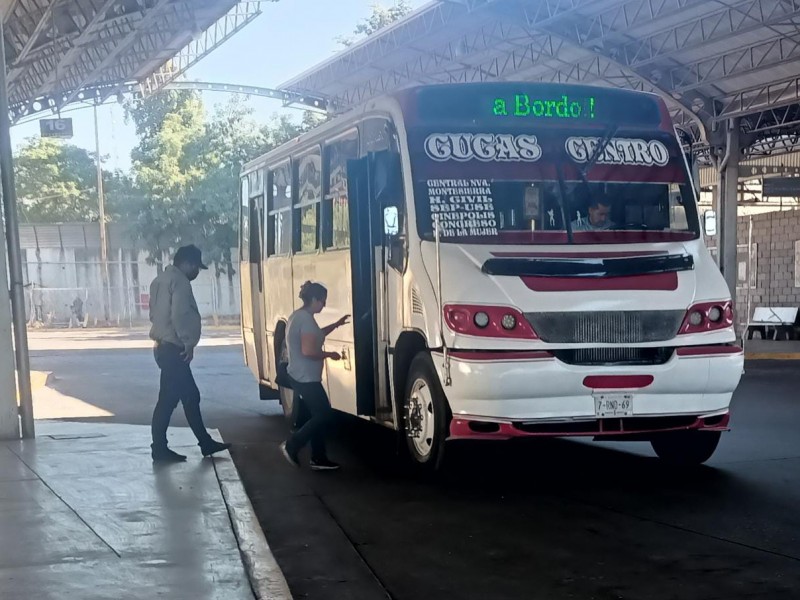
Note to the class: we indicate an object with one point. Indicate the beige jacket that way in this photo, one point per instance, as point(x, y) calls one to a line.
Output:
point(173, 310)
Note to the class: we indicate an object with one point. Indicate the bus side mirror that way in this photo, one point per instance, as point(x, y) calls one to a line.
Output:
point(710, 222)
point(395, 240)
point(391, 224)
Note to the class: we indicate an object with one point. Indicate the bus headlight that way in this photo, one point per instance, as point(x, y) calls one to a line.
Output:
point(715, 314)
point(481, 319)
point(509, 322)
point(488, 321)
point(695, 318)
point(707, 316)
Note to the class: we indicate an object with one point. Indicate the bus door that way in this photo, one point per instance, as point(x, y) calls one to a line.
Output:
point(257, 225)
point(252, 276)
point(371, 181)
point(251, 353)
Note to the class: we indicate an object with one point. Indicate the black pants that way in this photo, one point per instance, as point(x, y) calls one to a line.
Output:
point(177, 385)
point(315, 400)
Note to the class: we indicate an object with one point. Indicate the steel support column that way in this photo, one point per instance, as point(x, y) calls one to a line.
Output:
point(9, 411)
point(14, 256)
point(727, 203)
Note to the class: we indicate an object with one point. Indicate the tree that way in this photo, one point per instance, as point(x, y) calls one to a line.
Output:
point(232, 138)
point(56, 182)
point(381, 17)
point(186, 168)
point(166, 169)
point(120, 193)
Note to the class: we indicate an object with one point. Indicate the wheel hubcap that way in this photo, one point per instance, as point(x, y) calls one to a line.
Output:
point(420, 418)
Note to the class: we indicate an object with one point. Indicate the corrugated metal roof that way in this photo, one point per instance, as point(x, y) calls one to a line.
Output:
point(57, 49)
point(72, 236)
point(779, 164)
point(710, 60)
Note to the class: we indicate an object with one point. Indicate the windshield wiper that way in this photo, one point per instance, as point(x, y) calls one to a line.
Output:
point(608, 135)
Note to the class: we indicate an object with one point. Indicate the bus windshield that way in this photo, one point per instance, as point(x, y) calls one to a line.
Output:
point(551, 187)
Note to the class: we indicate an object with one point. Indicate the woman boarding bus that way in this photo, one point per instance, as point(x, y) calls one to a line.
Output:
point(520, 259)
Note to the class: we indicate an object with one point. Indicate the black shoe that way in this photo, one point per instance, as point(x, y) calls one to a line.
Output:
point(166, 455)
point(323, 464)
point(290, 457)
point(212, 447)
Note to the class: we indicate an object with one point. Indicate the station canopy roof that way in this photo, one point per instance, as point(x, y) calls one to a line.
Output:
point(711, 60)
point(63, 51)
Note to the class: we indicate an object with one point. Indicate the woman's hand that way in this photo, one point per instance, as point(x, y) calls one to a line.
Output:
point(326, 331)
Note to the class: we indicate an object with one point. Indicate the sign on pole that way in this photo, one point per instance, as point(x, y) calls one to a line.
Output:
point(781, 187)
point(59, 128)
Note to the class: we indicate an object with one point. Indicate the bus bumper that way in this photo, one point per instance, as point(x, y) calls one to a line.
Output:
point(500, 395)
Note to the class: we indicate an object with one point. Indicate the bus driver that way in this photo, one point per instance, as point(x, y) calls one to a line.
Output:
point(598, 217)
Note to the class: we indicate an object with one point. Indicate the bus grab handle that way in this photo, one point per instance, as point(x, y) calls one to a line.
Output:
point(448, 381)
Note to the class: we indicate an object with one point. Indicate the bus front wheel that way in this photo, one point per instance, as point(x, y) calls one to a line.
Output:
point(425, 417)
point(686, 448)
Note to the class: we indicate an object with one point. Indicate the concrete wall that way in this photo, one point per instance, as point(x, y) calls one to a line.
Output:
point(774, 269)
point(59, 275)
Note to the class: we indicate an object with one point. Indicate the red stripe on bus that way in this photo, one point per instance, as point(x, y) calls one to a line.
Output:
point(485, 356)
point(708, 350)
point(573, 254)
point(617, 382)
point(663, 282)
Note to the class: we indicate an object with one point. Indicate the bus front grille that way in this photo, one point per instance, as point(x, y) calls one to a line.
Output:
point(615, 356)
point(606, 327)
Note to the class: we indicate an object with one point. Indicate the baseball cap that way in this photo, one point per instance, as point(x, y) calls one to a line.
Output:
point(190, 254)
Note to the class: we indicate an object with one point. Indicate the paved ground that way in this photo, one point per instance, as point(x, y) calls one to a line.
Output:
point(84, 514)
point(546, 520)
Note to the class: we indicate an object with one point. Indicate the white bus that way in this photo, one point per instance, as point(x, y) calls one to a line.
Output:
point(520, 259)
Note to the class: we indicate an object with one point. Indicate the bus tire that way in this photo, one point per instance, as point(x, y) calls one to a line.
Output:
point(685, 448)
point(425, 414)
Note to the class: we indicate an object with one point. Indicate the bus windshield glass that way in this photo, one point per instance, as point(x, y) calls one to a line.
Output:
point(537, 163)
point(551, 186)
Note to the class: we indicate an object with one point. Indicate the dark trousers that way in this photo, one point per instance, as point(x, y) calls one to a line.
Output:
point(177, 385)
point(315, 400)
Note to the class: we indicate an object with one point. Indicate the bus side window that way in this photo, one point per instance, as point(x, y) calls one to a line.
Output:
point(255, 228)
point(336, 215)
point(244, 221)
point(376, 135)
point(280, 210)
point(309, 196)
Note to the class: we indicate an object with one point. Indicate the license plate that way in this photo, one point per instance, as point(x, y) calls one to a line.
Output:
point(613, 405)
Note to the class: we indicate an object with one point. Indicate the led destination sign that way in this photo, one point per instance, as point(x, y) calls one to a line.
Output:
point(564, 107)
point(534, 103)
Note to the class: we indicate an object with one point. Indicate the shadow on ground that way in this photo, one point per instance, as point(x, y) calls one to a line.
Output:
point(550, 519)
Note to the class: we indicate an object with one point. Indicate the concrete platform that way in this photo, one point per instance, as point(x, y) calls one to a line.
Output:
point(84, 514)
point(772, 349)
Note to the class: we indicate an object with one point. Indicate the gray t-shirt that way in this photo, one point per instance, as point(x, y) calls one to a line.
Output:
point(301, 368)
point(585, 225)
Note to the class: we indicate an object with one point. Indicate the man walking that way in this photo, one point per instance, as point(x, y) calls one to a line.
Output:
point(176, 332)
